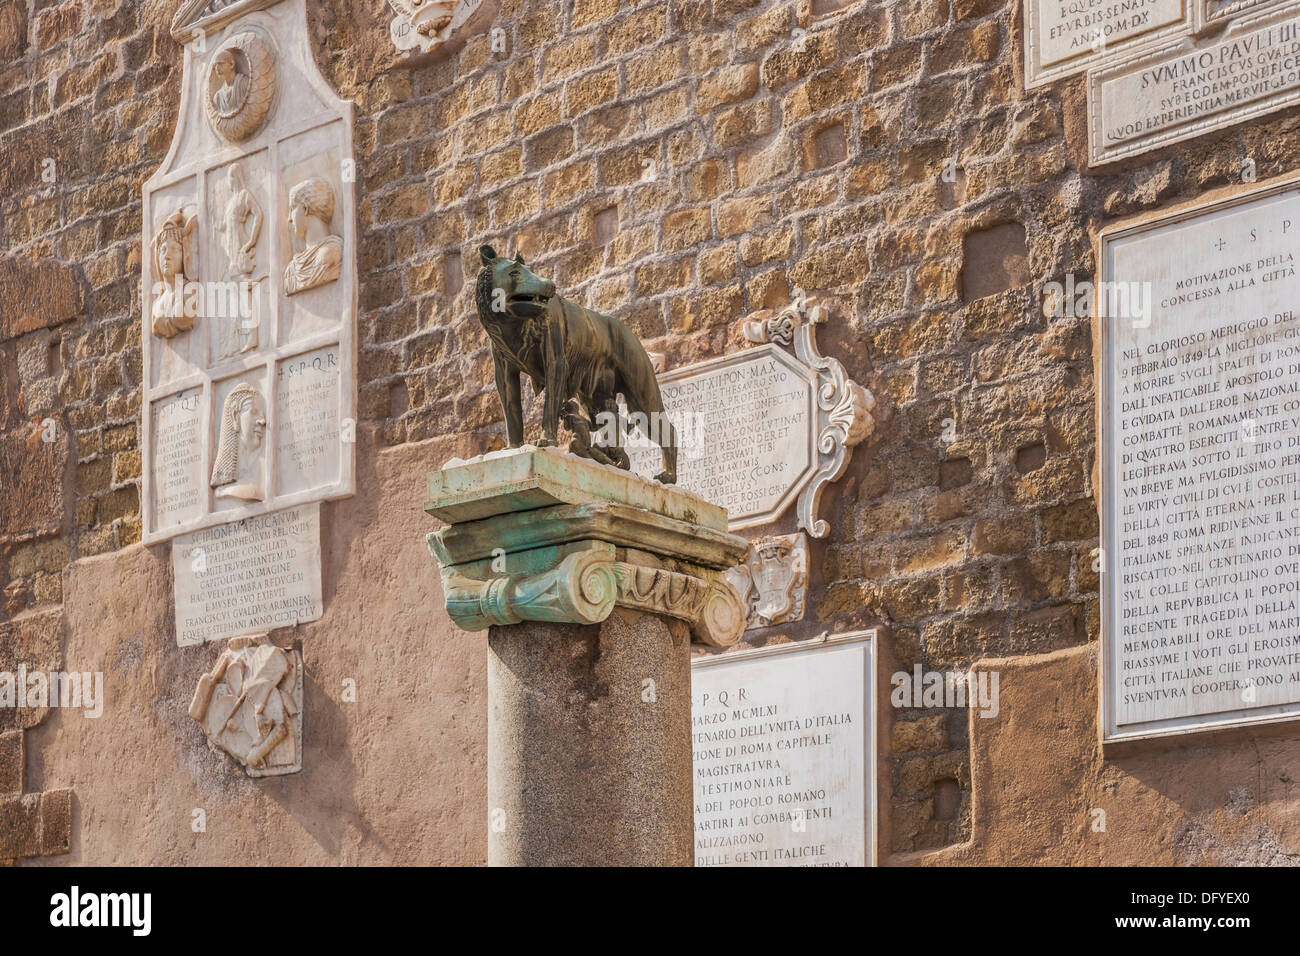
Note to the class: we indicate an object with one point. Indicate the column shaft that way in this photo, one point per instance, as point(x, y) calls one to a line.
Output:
point(589, 763)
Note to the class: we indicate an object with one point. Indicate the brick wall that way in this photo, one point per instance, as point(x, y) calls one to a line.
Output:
point(677, 164)
point(37, 823)
point(31, 824)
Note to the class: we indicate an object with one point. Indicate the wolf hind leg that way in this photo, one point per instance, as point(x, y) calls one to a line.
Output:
point(661, 432)
point(668, 446)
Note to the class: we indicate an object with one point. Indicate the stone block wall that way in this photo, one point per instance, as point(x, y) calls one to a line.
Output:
point(37, 823)
point(679, 164)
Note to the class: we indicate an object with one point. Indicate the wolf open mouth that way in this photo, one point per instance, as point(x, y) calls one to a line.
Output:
point(521, 299)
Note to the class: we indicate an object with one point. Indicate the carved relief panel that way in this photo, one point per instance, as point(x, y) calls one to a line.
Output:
point(250, 706)
point(773, 581)
point(249, 282)
point(426, 26)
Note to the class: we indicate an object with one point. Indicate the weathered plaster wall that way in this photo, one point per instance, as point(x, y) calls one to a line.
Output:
point(678, 164)
point(398, 776)
point(1043, 793)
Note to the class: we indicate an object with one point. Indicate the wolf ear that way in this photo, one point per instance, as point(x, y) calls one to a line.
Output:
point(519, 258)
point(487, 254)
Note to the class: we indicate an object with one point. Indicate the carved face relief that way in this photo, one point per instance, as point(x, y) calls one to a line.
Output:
point(232, 86)
point(251, 427)
point(175, 257)
point(298, 222)
point(240, 86)
point(318, 254)
point(170, 257)
point(237, 471)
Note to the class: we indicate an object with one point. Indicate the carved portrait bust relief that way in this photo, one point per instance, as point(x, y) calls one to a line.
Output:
point(318, 255)
point(232, 93)
point(240, 86)
point(174, 250)
point(237, 470)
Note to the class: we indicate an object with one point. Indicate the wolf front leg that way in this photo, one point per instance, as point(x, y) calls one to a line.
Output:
point(511, 399)
point(557, 381)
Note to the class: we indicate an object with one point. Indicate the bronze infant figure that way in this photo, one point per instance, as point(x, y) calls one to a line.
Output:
point(580, 359)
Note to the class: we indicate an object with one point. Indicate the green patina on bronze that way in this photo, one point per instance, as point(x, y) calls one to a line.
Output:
point(580, 359)
point(540, 535)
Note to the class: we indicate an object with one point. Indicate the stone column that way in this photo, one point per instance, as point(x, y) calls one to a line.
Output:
point(592, 582)
point(585, 767)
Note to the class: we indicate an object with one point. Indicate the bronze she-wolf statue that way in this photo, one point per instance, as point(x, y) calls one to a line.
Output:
point(581, 360)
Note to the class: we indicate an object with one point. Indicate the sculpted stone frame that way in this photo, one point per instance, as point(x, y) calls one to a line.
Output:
point(839, 412)
point(259, 126)
point(240, 85)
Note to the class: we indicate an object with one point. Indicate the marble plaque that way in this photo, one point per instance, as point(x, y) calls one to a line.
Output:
point(307, 435)
point(248, 577)
point(1184, 88)
point(759, 429)
point(178, 487)
point(784, 754)
point(1201, 467)
point(1064, 37)
point(249, 271)
point(1212, 11)
point(745, 427)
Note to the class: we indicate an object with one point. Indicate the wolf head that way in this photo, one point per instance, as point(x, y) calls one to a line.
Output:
point(508, 286)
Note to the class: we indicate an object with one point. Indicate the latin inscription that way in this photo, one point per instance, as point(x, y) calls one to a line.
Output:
point(249, 576)
point(1068, 35)
point(177, 427)
point(1154, 100)
point(308, 433)
point(744, 430)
